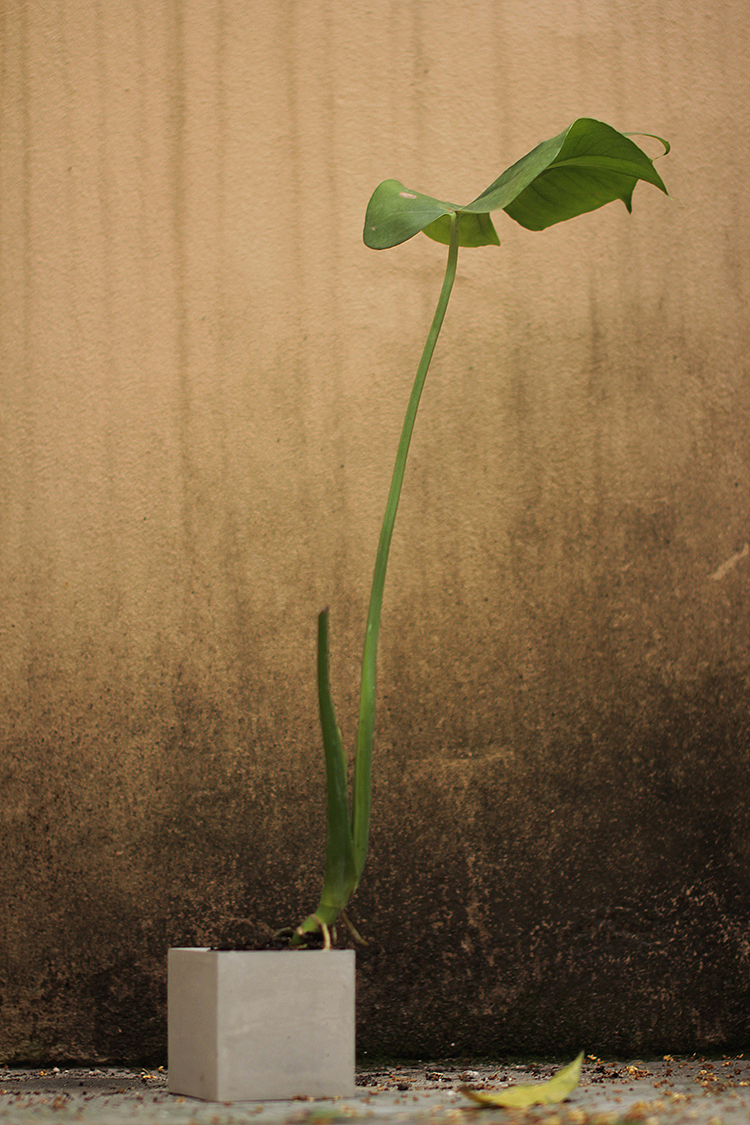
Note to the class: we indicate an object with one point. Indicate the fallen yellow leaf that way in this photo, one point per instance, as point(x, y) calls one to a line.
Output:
point(556, 1089)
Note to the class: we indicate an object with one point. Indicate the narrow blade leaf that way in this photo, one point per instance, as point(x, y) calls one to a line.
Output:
point(557, 1089)
point(340, 873)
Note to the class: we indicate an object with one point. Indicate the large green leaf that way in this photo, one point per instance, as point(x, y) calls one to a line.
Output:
point(583, 168)
point(557, 1089)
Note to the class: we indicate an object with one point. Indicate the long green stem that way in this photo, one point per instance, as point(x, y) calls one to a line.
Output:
point(346, 845)
point(365, 732)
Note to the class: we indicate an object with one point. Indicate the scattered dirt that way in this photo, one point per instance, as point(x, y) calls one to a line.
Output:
point(669, 1075)
point(81, 1080)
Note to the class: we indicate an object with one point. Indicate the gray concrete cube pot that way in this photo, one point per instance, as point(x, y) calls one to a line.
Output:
point(261, 1025)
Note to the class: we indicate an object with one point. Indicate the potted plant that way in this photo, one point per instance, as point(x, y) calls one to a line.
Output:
point(277, 1024)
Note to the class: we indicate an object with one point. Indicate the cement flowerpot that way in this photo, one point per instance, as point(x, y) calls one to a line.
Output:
point(261, 1026)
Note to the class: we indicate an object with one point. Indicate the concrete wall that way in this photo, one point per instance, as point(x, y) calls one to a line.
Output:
point(203, 378)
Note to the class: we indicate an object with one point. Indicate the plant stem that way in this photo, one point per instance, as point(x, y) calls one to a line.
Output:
point(365, 732)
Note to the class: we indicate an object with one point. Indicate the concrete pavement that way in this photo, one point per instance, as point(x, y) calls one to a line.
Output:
point(694, 1090)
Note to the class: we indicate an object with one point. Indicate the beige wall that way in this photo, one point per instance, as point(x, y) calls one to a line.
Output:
point(203, 377)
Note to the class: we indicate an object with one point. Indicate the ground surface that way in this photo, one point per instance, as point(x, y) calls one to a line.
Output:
point(674, 1091)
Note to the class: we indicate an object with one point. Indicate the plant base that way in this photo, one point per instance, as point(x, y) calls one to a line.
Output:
point(261, 1026)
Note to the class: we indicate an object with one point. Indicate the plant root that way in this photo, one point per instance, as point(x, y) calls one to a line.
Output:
point(353, 931)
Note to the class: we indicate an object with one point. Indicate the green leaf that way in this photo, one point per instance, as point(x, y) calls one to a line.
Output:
point(474, 230)
point(586, 166)
point(340, 871)
point(395, 214)
point(557, 1089)
point(594, 165)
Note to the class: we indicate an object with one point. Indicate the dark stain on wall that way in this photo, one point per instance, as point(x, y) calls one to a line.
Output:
point(559, 853)
point(573, 901)
point(582, 892)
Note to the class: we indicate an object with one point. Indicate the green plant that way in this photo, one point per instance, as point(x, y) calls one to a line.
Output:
point(583, 168)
